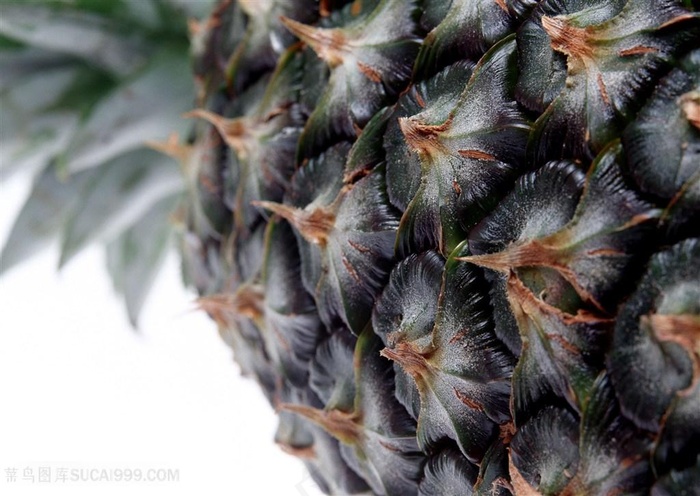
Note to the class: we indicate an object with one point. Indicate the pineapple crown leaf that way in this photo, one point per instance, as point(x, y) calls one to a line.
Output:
point(51, 202)
point(106, 76)
point(89, 36)
point(134, 258)
point(145, 108)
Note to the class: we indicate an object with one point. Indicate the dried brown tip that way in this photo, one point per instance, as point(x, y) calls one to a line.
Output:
point(194, 27)
point(524, 302)
point(568, 39)
point(410, 359)
point(506, 432)
point(304, 453)
point(314, 225)
point(234, 131)
point(247, 301)
point(536, 253)
point(329, 44)
point(341, 425)
point(356, 7)
point(172, 148)
point(254, 8)
point(684, 330)
point(197, 27)
point(532, 253)
point(521, 487)
point(424, 139)
point(690, 105)
point(504, 7)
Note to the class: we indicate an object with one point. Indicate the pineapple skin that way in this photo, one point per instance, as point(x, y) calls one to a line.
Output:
point(457, 243)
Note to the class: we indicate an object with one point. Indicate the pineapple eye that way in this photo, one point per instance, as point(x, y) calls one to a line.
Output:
point(660, 335)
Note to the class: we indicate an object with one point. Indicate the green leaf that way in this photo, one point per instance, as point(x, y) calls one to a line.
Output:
point(32, 144)
point(20, 62)
point(50, 204)
point(42, 108)
point(198, 9)
point(116, 197)
point(35, 92)
point(112, 10)
point(85, 35)
point(134, 258)
point(149, 107)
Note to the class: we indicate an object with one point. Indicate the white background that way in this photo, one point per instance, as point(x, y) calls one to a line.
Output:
point(79, 389)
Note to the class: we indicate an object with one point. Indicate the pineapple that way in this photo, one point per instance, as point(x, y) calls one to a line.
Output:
point(456, 243)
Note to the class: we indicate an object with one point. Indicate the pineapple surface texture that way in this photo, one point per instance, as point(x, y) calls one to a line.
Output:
point(457, 243)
